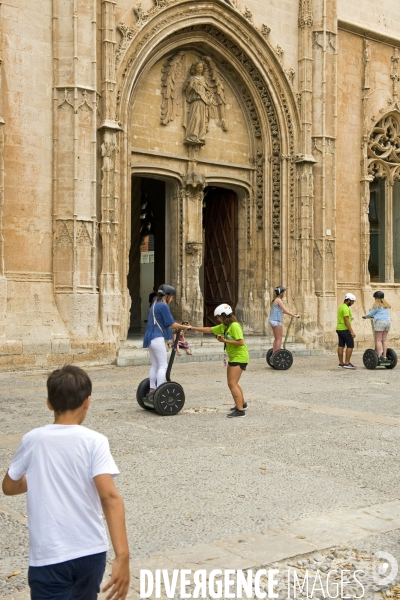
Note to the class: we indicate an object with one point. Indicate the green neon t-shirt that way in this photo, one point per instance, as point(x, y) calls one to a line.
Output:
point(238, 354)
point(343, 311)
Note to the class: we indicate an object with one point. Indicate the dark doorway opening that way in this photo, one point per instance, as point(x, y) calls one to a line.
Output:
point(147, 251)
point(376, 216)
point(220, 226)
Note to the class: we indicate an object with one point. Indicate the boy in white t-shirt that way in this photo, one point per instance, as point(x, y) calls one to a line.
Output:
point(67, 471)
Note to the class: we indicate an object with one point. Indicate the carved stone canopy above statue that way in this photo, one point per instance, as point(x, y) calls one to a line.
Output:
point(196, 91)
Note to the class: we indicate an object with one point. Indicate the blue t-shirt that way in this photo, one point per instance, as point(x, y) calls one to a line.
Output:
point(159, 322)
point(379, 314)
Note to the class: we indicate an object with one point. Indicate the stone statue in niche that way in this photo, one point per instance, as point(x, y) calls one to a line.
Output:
point(200, 93)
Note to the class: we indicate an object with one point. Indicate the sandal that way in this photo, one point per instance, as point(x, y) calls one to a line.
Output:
point(178, 352)
point(189, 352)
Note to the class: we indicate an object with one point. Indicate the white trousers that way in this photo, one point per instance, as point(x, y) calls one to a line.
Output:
point(159, 363)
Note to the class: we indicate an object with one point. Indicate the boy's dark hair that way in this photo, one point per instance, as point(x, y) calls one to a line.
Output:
point(67, 388)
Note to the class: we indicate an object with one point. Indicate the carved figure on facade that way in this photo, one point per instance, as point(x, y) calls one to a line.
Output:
point(201, 92)
point(108, 153)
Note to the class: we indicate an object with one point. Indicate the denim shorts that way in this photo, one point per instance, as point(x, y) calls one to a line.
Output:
point(380, 325)
point(275, 323)
point(76, 579)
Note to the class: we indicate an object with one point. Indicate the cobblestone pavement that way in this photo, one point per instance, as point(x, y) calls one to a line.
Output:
point(313, 468)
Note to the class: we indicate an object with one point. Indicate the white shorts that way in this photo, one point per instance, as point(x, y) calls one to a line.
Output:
point(275, 323)
point(380, 325)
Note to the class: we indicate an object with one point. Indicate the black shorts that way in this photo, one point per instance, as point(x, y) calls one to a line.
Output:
point(345, 338)
point(236, 364)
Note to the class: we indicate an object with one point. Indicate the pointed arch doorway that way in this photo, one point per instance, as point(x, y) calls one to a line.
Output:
point(220, 264)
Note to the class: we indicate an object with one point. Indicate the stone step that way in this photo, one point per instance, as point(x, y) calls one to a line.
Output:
point(128, 357)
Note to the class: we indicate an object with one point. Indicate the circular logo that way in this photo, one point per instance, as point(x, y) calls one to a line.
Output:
point(385, 568)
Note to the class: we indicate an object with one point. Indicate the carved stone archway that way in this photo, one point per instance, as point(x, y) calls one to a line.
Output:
point(266, 95)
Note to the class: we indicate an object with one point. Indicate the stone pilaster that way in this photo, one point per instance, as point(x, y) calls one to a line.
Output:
point(75, 164)
point(324, 53)
point(306, 300)
point(110, 291)
point(191, 207)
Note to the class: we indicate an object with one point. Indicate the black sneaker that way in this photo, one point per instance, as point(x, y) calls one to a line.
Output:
point(236, 413)
point(382, 359)
point(234, 407)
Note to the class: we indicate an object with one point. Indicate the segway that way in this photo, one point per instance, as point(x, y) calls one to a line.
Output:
point(282, 359)
point(371, 359)
point(169, 397)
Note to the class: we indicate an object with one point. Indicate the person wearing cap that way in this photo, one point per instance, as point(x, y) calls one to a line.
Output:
point(380, 312)
point(158, 330)
point(345, 332)
point(230, 333)
point(276, 316)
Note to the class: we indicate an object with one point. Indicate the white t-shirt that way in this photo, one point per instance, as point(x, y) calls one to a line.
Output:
point(65, 517)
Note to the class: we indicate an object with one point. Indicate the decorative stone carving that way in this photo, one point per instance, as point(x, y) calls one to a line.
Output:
point(279, 52)
point(384, 141)
point(83, 237)
point(305, 14)
point(203, 92)
point(258, 162)
point(290, 74)
point(265, 30)
point(194, 180)
point(366, 61)
point(64, 234)
point(318, 41)
point(141, 15)
point(128, 33)
point(108, 148)
point(193, 248)
point(248, 15)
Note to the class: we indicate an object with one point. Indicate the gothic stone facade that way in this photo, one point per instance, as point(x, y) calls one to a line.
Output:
point(291, 107)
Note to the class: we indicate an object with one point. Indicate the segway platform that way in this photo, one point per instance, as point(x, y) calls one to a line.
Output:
point(371, 359)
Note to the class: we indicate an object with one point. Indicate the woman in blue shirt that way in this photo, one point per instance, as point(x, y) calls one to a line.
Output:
point(380, 312)
point(159, 322)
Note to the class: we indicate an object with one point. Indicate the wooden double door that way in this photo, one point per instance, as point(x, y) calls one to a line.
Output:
point(220, 222)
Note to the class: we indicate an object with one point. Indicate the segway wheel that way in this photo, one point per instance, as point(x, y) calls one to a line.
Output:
point(370, 359)
point(268, 357)
point(169, 398)
point(143, 389)
point(282, 360)
point(392, 356)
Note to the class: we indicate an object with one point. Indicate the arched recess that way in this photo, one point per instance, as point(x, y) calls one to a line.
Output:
point(382, 201)
point(267, 197)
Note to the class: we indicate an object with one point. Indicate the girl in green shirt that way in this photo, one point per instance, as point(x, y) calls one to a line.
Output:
point(230, 333)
